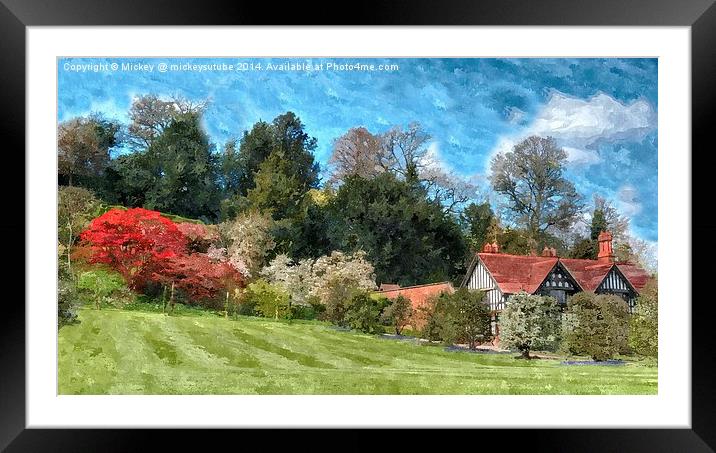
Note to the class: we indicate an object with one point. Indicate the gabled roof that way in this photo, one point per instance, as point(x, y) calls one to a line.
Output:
point(637, 276)
point(515, 273)
point(588, 273)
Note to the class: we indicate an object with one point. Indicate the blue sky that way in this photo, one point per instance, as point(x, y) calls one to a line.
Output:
point(602, 111)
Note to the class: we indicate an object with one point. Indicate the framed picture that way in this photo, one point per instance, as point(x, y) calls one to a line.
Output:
point(361, 226)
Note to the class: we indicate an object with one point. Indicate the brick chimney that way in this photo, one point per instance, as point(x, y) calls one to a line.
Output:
point(487, 248)
point(549, 251)
point(606, 254)
point(495, 247)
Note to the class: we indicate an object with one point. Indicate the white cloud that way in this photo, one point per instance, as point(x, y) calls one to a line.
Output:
point(576, 156)
point(579, 125)
point(584, 122)
point(628, 201)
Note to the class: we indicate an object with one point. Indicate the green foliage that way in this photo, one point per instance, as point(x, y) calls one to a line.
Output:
point(644, 322)
point(530, 322)
point(408, 239)
point(269, 300)
point(104, 287)
point(363, 313)
point(599, 325)
point(303, 312)
point(67, 298)
point(513, 241)
point(177, 172)
point(471, 316)
point(461, 317)
point(284, 136)
point(277, 190)
point(398, 313)
point(599, 223)
point(479, 223)
point(585, 249)
point(76, 207)
point(439, 323)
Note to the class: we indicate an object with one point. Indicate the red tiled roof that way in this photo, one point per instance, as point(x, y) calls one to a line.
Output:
point(515, 273)
point(588, 273)
point(418, 295)
point(637, 276)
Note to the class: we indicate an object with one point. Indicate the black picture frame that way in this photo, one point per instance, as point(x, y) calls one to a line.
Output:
point(700, 15)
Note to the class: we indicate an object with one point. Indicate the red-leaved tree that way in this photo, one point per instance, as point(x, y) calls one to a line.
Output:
point(135, 242)
point(198, 277)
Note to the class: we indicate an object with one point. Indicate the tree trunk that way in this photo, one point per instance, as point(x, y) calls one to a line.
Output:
point(164, 298)
point(226, 308)
point(526, 354)
point(171, 300)
point(69, 248)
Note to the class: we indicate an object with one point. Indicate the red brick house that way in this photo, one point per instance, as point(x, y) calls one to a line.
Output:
point(418, 295)
point(502, 274)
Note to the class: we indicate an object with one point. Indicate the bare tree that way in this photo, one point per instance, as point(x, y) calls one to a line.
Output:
point(405, 153)
point(404, 150)
point(83, 146)
point(357, 152)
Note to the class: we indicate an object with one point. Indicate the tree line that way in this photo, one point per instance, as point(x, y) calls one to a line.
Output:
point(384, 194)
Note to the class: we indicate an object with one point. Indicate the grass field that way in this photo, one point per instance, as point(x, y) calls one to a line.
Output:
point(135, 352)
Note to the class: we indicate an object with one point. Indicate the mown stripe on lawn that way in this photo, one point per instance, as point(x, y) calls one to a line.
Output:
point(300, 358)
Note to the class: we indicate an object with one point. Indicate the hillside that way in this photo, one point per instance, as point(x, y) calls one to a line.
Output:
point(132, 352)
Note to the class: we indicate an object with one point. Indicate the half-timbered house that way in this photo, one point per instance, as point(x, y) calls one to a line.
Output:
point(501, 275)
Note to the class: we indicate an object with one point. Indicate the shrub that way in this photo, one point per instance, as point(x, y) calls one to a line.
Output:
point(471, 316)
point(67, 300)
point(103, 286)
point(439, 324)
point(269, 300)
point(363, 313)
point(302, 312)
point(135, 243)
point(599, 323)
point(644, 322)
point(529, 322)
point(337, 278)
point(75, 208)
point(398, 313)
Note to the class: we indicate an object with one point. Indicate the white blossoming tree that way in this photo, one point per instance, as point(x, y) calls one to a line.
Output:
point(529, 321)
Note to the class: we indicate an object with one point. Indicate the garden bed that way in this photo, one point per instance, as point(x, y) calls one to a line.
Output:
point(481, 350)
point(593, 362)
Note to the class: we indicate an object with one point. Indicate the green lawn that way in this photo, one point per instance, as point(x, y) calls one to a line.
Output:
point(135, 352)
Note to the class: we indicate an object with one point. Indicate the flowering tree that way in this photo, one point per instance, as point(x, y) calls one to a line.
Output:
point(296, 279)
point(136, 243)
point(338, 277)
point(249, 240)
point(528, 322)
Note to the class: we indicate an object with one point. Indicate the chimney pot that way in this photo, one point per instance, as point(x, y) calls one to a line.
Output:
point(546, 251)
point(495, 247)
